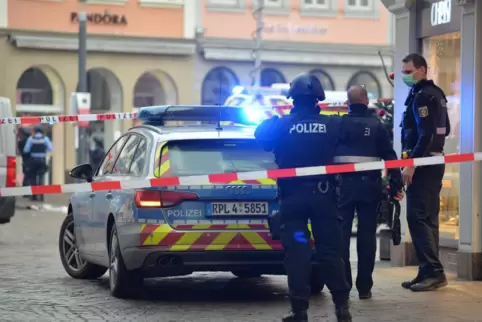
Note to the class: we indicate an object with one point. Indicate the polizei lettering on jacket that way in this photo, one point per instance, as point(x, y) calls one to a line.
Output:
point(308, 128)
point(101, 19)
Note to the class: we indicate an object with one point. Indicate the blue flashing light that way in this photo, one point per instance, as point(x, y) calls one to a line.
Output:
point(157, 115)
point(238, 90)
point(254, 115)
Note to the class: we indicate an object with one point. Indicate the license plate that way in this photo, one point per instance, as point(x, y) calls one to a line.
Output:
point(239, 208)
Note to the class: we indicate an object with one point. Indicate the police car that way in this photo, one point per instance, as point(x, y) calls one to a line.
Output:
point(173, 231)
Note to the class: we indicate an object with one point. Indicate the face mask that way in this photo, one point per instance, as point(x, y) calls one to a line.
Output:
point(408, 80)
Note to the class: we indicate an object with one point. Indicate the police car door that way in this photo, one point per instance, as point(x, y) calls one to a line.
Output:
point(94, 221)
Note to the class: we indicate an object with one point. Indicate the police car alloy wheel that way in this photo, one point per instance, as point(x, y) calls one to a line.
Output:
point(122, 283)
point(70, 257)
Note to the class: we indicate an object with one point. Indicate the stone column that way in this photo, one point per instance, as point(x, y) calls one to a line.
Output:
point(469, 259)
point(404, 12)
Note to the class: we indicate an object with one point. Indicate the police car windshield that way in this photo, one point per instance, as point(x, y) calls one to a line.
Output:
point(200, 157)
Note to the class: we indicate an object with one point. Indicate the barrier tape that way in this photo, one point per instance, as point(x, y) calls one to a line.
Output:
point(53, 119)
point(221, 178)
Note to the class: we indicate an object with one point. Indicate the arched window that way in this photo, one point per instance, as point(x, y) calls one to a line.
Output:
point(148, 91)
point(368, 80)
point(218, 85)
point(33, 87)
point(270, 76)
point(325, 79)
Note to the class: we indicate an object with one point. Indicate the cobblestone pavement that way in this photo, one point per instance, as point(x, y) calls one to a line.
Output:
point(34, 287)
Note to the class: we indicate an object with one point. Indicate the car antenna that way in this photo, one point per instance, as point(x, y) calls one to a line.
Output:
point(218, 126)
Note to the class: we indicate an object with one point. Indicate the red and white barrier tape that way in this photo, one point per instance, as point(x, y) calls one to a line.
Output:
point(52, 119)
point(229, 177)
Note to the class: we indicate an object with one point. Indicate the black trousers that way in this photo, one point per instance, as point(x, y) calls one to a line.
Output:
point(360, 194)
point(296, 207)
point(36, 169)
point(423, 206)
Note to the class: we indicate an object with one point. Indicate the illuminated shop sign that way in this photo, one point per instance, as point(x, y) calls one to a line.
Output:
point(441, 12)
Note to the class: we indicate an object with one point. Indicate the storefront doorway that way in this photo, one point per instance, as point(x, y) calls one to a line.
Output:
point(40, 92)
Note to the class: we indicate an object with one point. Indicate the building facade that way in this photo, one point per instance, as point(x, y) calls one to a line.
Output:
point(444, 31)
point(145, 52)
point(338, 40)
point(133, 60)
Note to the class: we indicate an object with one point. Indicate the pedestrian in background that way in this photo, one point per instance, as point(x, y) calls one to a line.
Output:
point(363, 138)
point(37, 146)
point(23, 135)
point(424, 128)
point(97, 152)
point(304, 138)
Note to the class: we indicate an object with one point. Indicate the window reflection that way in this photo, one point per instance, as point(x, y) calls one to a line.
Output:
point(443, 58)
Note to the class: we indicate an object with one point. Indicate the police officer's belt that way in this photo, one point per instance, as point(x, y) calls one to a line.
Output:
point(354, 159)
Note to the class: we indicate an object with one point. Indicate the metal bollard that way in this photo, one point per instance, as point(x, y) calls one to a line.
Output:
point(385, 242)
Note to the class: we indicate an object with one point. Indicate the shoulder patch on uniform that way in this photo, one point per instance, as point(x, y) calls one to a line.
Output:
point(423, 111)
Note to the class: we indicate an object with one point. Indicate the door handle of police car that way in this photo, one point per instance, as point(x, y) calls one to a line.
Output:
point(108, 195)
point(91, 195)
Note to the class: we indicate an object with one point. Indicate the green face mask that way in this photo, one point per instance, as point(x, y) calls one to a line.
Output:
point(408, 80)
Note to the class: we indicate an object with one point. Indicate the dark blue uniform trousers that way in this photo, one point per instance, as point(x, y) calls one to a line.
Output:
point(296, 207)
point(423, 206)
point(360, 194)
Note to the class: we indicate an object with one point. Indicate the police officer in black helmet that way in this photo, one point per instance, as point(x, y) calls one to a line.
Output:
point(363, 139)
point(304, 138)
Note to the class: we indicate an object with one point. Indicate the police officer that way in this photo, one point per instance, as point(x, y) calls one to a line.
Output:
point(304, 139)
point(424, 128)
point(37, 147)
point(363, 139)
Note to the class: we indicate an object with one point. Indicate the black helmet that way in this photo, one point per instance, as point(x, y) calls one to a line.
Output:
point(38, 129)
point(306, 84)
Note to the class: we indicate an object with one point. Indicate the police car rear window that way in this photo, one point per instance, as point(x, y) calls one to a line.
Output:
point(200, 157)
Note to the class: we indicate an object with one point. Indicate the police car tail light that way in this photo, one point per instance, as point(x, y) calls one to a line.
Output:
point(173, 198)
point(11, 172)
point(148, 199)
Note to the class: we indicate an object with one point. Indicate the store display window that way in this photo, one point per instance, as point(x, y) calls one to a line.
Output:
point(443, 58)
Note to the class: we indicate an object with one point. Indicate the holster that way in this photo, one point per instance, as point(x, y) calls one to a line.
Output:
point(274, 224)
point(274, 221)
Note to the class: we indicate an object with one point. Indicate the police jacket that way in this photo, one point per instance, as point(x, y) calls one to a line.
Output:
point(425, 122)
point(38, 145)
point(363, 138)
point(304, 138)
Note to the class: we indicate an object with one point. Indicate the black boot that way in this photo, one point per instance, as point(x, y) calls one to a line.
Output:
point(408, 284)
point(299, 308)
point(430, 283)
point(343, 313)
point(299, 316)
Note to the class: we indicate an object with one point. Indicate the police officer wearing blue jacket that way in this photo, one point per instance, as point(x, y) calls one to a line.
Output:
point(424, 128)
point(37, 147)
point(304, 138)
point(363, 139)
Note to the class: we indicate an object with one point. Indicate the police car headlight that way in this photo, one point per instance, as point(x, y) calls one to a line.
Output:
point(254, 115)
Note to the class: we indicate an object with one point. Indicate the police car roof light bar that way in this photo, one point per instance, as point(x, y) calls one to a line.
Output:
point(158, 115)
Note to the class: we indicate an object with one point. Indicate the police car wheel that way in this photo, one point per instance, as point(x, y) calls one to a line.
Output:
point(246, 274)
point(70, 256)
point(122, 283)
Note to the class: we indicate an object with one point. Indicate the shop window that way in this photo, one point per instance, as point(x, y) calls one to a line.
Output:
point(218, 85)
point(443, 58)
point(325, 79)
point(270, 76)
point(33, 88)
point(369, 81)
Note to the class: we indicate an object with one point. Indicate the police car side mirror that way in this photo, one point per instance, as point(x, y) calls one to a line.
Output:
point(83, 171)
